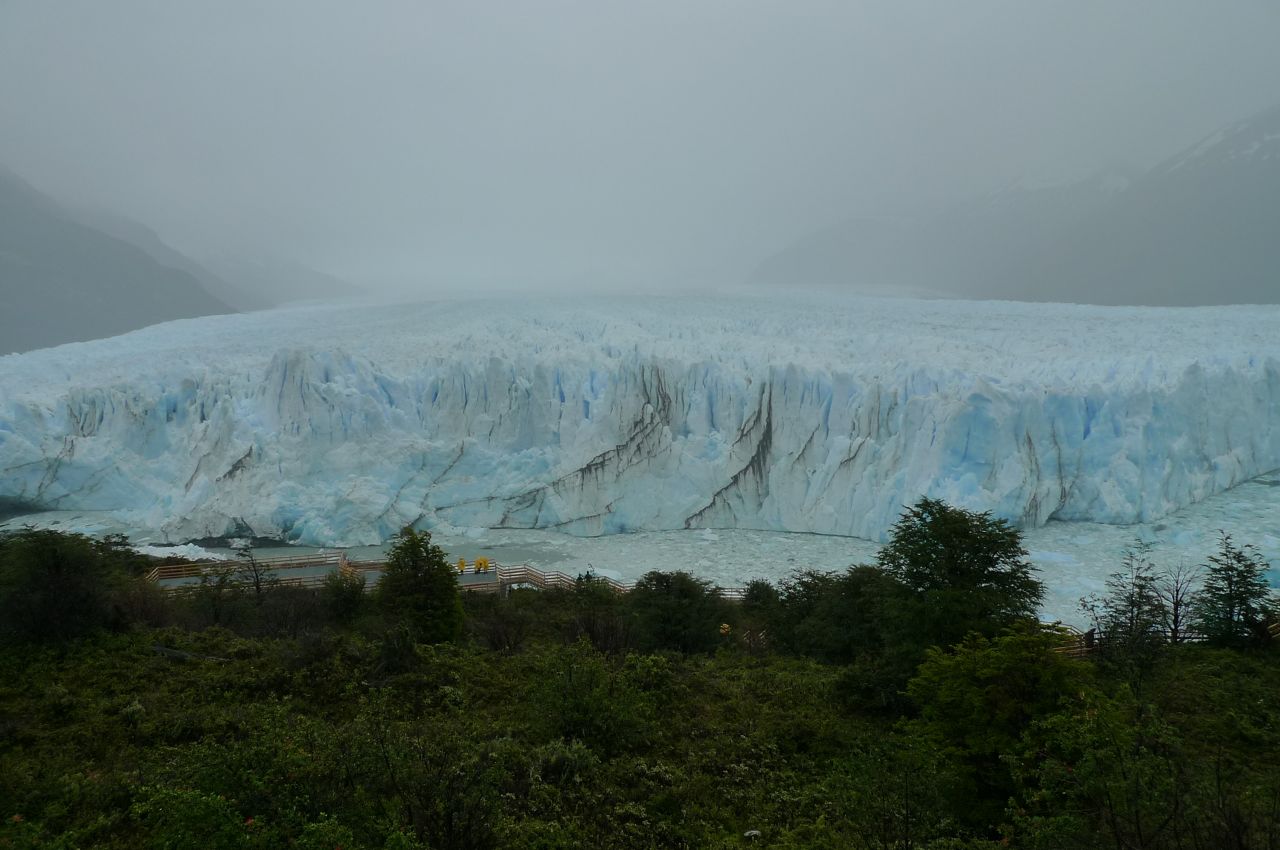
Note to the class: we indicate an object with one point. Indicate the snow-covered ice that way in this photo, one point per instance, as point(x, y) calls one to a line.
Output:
point(338, 424)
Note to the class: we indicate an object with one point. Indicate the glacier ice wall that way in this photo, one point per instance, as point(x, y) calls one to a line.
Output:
point(339, 425)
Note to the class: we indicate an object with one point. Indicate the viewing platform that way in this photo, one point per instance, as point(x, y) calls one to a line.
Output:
point(481, 575)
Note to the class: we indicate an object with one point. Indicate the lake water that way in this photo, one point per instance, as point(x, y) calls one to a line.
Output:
point(1074, 559)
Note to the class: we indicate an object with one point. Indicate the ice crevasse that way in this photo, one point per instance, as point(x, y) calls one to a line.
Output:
point(340, 424)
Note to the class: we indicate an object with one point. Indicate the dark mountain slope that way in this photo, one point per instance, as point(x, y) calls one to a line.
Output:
point(62, 281)
point(1201, 228)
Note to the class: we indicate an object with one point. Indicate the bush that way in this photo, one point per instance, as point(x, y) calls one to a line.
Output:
point(584, 698)
point(181, 819)
point(54, 586)
point(836, 617)
point(677, 612)
point(343, 596)
point(977, 702)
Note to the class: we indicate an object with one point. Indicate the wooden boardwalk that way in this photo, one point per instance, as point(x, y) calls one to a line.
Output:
point(484, 576)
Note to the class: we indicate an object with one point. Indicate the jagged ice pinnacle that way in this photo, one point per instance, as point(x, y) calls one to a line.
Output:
point(339, 424)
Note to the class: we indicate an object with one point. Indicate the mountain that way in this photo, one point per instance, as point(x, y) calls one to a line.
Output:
point(963, 251)
point(241, 297)
point(1197, 229)
point(64, 281)
point(245, 281)
point(1201, 228)
point(279, 280)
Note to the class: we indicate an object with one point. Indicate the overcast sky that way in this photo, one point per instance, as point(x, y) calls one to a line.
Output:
point(516, 143)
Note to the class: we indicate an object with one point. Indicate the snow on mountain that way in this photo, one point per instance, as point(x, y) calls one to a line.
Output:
point(1198, 229)
point(1257, 139)
point(338, 424)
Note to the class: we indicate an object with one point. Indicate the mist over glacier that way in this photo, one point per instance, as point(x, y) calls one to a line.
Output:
point(339, 424)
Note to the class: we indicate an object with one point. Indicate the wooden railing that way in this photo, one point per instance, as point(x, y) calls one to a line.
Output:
point(525, 575)
point(1076, 644)
point(1084, 644)
point(473, 577)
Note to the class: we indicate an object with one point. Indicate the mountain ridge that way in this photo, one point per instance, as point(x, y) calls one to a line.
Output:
point(1195, 230)
point(64, 281)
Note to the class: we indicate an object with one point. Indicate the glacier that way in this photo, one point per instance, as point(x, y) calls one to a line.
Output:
point(338, 424)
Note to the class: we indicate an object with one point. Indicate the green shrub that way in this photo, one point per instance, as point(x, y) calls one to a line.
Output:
point(343, 596)
point(676, 612)
point(54, 586)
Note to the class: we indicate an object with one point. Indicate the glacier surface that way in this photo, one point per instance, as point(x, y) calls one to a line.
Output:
point(339, 424)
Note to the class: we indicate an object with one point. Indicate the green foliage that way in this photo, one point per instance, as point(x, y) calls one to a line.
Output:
point(343, 596)
point(307, 727)
point(442, 780)
point(325, 834)
point(836, 617)
point(977, 700)
point(54, 586)
point(888, 793)
point(599, 614)
point(182, 819)
point(585, 698)
point(1235, 604)
point(964, 572)
point(677, 612)
point(218, 597)
point(1132, 618)
point(500, 622)
point(1118, 769)
point(419, 584)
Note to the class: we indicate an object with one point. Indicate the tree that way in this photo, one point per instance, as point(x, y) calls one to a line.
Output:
point(1177, 589)
point(597, 613)
point(759, 615)
point(1132, 617)
point(836, 617)
point(218, 594)
point(1106, 772)
point(676, 611)
point(343, 595)
point(963, 572)
point(1234, 605)
point(54, 586)
point(254, 574)
point(419, 585)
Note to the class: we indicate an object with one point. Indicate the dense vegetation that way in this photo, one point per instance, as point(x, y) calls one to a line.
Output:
point(913, 703)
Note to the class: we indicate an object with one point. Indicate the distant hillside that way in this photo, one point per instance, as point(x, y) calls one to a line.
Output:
point(242, 298)
point(252, 282)
point(1200, 228)
point(280, 281)
point(64, 281)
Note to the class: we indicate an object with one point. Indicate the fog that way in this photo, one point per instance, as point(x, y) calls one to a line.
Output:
point(424, 146)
